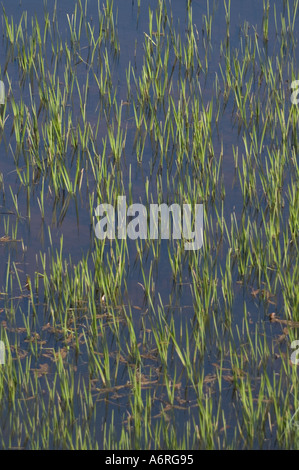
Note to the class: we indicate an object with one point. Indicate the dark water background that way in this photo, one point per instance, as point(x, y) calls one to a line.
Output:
point(76, 225)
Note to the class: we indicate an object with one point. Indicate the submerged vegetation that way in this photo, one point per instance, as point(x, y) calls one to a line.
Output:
point(140, 344)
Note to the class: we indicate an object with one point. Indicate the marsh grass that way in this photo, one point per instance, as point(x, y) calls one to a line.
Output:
point(138, 344)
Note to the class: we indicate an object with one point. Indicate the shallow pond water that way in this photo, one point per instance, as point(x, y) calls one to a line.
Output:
point(141, 343)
